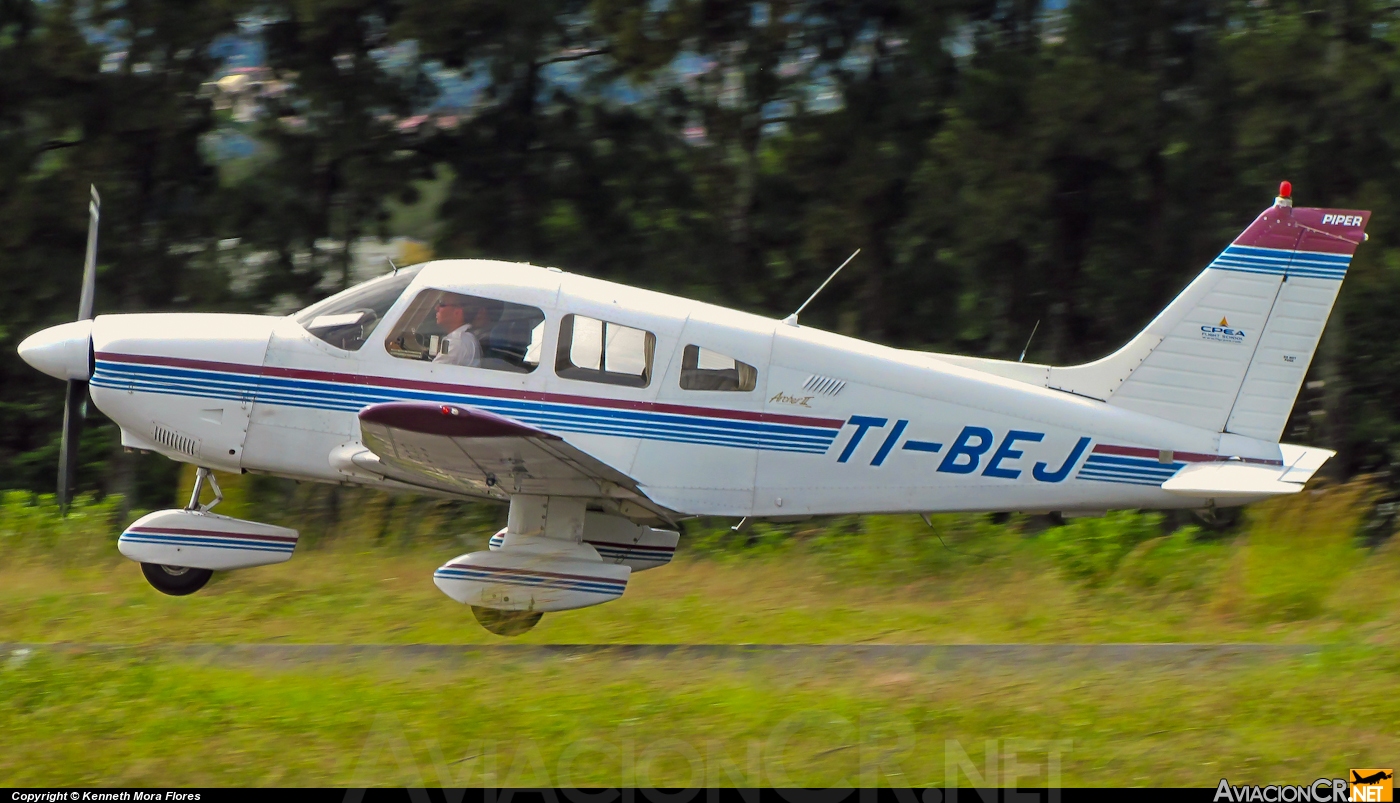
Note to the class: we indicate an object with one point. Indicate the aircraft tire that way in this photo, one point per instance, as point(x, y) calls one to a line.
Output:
point(1219, 519)
point(506, 623)
point(177, 581)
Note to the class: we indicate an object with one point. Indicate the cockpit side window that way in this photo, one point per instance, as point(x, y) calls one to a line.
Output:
point(346, 319)
point(471, 331)
point(706, 369)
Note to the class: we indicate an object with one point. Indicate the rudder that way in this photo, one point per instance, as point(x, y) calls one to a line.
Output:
point(1309, 281)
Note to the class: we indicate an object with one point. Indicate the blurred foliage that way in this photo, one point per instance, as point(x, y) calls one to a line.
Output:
point(365, 560)
point(30, 526)
point(1180, 563)
point(999, 164)
point(1253, 570)
point(1089, 550)
point(1295, 556)
point(355, 516)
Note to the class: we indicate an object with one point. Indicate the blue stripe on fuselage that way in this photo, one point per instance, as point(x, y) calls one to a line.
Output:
point(350, 397)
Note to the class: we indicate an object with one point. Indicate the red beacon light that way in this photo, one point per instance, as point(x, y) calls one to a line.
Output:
point(1285, 194)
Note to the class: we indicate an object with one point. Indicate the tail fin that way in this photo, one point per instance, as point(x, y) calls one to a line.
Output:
point(1229, 354)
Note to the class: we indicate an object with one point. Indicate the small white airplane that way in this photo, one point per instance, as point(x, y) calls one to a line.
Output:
point(603, 414)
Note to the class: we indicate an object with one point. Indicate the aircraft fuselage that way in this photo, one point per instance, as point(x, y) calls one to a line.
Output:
point(830, 425)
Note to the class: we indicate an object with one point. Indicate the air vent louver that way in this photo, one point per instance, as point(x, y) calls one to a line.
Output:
point(823, 385)
point(175, 441)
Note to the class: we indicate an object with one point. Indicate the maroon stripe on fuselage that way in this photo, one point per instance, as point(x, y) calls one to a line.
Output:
point(1185, 457)
point(474, 390)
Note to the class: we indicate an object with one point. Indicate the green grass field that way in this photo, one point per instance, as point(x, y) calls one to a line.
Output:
point(1293, 574)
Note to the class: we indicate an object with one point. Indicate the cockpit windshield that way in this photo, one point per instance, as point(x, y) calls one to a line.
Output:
point(346, 319)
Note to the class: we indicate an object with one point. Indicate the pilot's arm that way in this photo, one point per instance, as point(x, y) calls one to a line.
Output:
point(460, 347)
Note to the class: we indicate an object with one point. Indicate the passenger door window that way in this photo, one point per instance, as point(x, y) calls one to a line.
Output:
point(602, 351)
point(706, 369)
point(474, 332)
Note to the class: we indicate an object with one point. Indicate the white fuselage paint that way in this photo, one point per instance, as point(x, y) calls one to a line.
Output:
point(834, 425)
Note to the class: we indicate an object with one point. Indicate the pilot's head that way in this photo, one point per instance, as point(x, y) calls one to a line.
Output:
point(452, 312)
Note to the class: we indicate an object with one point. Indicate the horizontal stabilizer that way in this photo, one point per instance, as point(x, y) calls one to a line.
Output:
point(1233, 479)
point(1302, 461)
point(1237, 479)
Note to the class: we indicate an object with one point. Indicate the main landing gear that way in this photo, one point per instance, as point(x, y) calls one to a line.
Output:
point(180, 581)
point(177, 581)
point(506, 623)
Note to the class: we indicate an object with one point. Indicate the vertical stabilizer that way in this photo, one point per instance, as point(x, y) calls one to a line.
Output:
point(1230, 353)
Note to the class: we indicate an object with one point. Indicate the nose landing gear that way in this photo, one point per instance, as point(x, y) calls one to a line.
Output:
point(181, 581)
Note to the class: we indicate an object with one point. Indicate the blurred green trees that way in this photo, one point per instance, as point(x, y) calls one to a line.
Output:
point(999, 162)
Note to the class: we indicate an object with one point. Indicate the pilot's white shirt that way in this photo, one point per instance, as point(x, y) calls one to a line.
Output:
point(460, 347)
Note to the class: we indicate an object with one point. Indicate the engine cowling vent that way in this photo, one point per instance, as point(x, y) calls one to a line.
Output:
point(823, 385)
point(175, 441)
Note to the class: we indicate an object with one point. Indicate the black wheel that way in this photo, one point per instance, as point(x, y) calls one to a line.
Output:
point(506, 623)
point(177, 581)
point(1219, 519)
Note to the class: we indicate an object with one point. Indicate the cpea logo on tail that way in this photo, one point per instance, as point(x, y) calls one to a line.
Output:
point(1373, 786)
point(1222, 333)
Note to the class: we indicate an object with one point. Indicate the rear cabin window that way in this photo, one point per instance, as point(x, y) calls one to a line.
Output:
point(706, 369)
point(603, 351)
point(470, 331)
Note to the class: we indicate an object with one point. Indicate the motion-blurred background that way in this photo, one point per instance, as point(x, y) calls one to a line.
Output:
point(1002, 164)
point(999, 162)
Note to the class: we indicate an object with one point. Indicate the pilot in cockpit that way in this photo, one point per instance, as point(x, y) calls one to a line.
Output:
point(466, 321)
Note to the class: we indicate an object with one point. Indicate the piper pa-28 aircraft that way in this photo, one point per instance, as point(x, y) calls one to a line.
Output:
point(603, 414)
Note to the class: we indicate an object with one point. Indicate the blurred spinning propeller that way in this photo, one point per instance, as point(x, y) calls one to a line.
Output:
point(76, 398)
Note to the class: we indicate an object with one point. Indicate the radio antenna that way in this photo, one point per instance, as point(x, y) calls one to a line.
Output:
point(1028, 341)
point(392, 265)
point(791, 320)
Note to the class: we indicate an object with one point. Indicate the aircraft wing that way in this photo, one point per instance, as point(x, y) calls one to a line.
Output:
point(478, 453)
